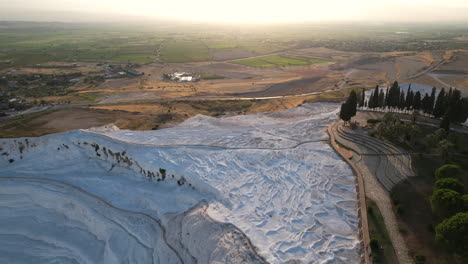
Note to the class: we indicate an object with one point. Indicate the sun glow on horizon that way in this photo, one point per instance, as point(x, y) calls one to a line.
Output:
point(259, 11)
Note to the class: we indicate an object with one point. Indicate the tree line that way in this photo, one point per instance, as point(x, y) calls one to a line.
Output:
point(450, 106)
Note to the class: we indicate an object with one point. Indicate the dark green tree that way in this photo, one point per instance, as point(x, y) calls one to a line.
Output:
point(393, 95)
point(445, 122)
point(465, 202)
point(348, 109)
point(352, 101)
point(425, 103)
point(449, 94)
point(456, 107)
point(448, 171)
point(344, 113)
point(453, 233)
point(363, 97)
point(401, 102)
point(409, 99)
point(449, 183)
point(417, 101)
point(464, 109)
point(431, 103)
point(374, 100)
point(440, 106)
point(381, 99)
point(446, 203)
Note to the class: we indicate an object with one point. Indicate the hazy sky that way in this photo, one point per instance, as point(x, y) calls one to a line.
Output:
point(238, 10)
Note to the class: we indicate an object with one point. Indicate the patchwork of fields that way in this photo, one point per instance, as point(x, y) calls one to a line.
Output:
point(277, 61)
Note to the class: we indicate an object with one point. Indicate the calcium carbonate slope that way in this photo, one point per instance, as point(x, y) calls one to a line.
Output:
point(272, 175)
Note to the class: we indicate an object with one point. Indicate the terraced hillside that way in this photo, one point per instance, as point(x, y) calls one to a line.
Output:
point(389, 163)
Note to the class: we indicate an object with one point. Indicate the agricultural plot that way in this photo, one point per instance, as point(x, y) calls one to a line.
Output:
point(184, 51)
point(28, 47)
point(208, 76)
point(277, 61)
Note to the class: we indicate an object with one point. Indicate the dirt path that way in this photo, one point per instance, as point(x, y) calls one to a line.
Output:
point(364, 231)
point(437, 62)
point(391, 169)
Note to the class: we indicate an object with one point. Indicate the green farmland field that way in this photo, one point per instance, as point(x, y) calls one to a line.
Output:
point(184, 51)
point(27, 43)
point(29, 46)
point(277, 61)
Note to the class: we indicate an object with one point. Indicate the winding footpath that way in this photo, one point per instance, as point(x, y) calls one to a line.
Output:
point(376, 175)
point(363, 224)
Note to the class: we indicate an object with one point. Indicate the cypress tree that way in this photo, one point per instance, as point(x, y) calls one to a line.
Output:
point(439, 109)
point(363, 97)
point(344, 112)
point(371, 99)
point(409, 99)
point(417, 101)
point(352, 101)
point(348, 109)
point(449, 93)
point(464, 106)
point(401, 102)
point(431, 101)
point(445, 122)
point(393, 95)
point(381, 99)
point(374, 100)
point(425, 103)
point(455, 107)
point(387, 98)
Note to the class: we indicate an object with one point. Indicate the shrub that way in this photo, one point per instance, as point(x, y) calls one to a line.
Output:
point(449, 183)
point(419, 259)
point(373, 121)
point(453, 232)
point(448, 171)
point(465, 202)
point(398, 209)
point(374, 244)
point(446, 202)
point(163, 173)
point(402, 230)
point(370, 211)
